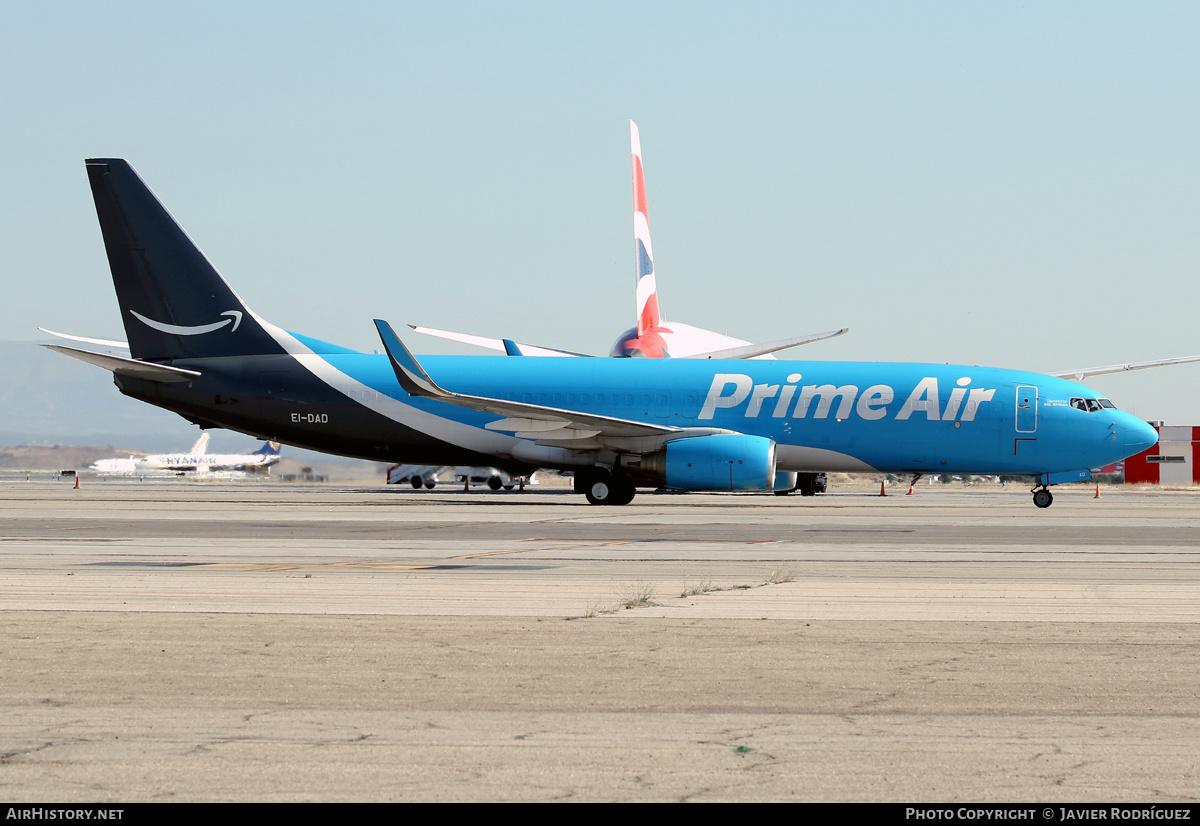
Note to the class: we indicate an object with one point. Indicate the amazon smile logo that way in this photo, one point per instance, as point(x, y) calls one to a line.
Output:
point(235, 317)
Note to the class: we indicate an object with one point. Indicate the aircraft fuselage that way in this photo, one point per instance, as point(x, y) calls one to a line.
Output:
point(823, 416)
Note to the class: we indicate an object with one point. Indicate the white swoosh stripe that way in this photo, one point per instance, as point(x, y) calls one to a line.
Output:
point(447, 430)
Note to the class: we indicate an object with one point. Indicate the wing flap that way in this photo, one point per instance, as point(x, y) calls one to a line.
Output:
point(525, 423)
point(566, 434)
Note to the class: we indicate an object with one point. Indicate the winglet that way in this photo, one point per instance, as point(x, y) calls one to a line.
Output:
point(511, 348)
point(409, 372)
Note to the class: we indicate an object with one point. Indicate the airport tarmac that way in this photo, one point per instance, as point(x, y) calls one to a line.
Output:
point(169, 641)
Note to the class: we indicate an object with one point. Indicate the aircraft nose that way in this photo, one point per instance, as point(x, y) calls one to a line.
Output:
point(1138, 435)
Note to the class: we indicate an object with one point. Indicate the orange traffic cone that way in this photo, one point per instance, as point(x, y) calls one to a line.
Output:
point(882, 492)
point(76, 481)
point(1097, 496)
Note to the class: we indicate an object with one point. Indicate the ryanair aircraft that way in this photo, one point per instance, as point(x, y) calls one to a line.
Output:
point(619, 423)
point(198, 460)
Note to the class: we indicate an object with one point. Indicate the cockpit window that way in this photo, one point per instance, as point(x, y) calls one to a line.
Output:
point(1090, 405)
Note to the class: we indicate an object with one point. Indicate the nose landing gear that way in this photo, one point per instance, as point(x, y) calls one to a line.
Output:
point(1042, 497)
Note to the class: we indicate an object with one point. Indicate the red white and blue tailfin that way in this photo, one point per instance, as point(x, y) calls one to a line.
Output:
point(648, 317)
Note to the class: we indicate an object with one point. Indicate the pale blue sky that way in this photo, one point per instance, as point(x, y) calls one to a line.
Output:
point(1013, 184)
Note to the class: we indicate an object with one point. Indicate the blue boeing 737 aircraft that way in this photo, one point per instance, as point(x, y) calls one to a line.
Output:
point(701, 425)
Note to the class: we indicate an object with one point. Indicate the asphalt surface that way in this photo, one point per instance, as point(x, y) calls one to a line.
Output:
point(181, 641)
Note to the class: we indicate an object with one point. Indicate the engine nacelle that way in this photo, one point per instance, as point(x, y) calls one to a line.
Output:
point(719, 462)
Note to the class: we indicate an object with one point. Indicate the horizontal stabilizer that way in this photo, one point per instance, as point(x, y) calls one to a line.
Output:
point(127, 367)
point(103, 342)
point(1083, 372)
point(497, 343)
point(749, 351)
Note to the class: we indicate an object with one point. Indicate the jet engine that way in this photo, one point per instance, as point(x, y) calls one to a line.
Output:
point(720, 462)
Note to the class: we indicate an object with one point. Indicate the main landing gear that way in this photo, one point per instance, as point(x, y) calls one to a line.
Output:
point(809, 484)
point(604, 488)
point(1042, 497)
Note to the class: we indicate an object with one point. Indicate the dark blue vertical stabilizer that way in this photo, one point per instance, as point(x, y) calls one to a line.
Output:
point(174, 303)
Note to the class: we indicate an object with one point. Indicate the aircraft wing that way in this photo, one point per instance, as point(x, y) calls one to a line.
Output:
point(496, 343)
point(1083, 372)
point(127, 367)
point(103, 342)
point(749, 351)
point(549, 426)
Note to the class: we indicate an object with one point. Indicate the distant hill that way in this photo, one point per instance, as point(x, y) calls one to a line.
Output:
point(48, 398)
point(74, 457)
point(57, 457)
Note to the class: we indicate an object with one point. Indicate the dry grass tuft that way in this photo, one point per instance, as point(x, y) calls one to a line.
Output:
point(780, 574)
point(635, 594)
point(690, 589)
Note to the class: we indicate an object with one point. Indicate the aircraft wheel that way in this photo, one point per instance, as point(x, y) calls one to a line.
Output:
point(494, 483)
point(509, 487)
point(600, 493)
point(625, 491)
point(429, 485)
point(586, 477)
point(613, 490)
point(416, 482)
point(1043, 498)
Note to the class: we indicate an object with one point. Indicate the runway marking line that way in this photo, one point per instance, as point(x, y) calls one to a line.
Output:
point(657, 539)
point(55, 539)
point(527, 550)
point(369, 564)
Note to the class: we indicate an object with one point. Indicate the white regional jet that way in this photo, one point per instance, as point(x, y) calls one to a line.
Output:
point(197, 460)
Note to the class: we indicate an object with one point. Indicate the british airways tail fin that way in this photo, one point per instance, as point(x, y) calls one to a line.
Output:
point(648, 317)
point(174, 303)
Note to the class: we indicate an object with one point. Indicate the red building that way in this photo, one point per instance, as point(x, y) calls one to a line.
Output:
point(1170, 462)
